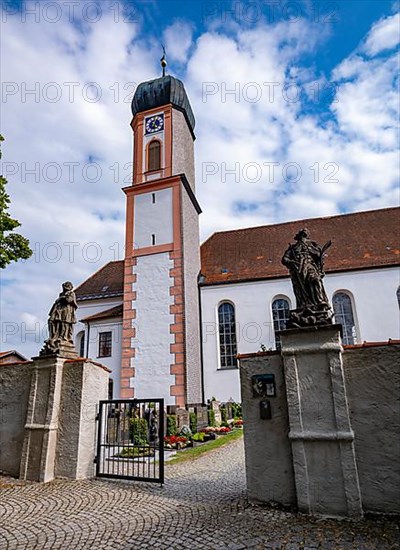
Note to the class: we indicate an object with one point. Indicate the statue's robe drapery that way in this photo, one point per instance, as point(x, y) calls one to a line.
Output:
point(304, 260)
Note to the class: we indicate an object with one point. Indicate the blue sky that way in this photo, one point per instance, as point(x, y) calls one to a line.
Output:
point(296, 116)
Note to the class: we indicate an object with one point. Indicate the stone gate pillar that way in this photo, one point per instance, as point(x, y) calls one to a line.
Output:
point(60, 428)
point(41, 427)
point(320, 431)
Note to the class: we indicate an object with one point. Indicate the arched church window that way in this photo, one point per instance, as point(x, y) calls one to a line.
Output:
point(398, 296)
point(227, 335)
point(344, 315)
point(154, 155)
point(280, 316)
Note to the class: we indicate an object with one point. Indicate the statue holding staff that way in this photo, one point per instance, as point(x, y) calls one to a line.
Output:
point(61, 321)
point(305, 261)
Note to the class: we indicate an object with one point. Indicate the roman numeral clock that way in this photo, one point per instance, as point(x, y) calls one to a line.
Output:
point(154, 124)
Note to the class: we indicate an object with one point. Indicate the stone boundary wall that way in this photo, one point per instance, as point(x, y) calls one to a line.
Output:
point(15, 383)
point(373, 390)
point(269, 467)
point(372, 378)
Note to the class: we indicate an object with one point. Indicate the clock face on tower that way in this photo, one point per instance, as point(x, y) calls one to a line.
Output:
point(154, 124)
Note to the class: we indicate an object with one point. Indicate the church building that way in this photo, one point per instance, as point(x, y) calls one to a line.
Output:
point(170, 318)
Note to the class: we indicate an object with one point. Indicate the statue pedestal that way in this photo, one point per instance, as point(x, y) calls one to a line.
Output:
point(320, 432)
point(61, 418)
point(64, 349)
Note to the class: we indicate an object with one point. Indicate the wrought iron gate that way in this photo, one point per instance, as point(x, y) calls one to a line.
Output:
point(130, 439)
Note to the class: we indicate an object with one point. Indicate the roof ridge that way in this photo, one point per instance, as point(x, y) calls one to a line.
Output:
point(301, 220)
point(110, 311)
point(96, 272)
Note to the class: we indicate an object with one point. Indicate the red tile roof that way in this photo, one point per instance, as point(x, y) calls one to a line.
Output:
point(4, 354)
point(106, 314)
point(360, 241)
point(390, 342)
point(107, 282)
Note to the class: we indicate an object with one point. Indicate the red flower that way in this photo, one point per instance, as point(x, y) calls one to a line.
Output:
point(174, 439)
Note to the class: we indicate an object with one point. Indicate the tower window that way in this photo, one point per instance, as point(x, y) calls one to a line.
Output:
point(227, 335)
point(154, 155)
point(153, 239)
point(153, 198)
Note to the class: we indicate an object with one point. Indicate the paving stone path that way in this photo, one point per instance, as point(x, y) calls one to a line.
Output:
point(201, 506)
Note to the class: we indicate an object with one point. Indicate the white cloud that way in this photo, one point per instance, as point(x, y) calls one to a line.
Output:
point(178, 40)
point(384, 35)
point(367, 100)
point(339, 163)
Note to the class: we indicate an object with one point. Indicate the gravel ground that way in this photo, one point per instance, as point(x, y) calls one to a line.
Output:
point(202, 505)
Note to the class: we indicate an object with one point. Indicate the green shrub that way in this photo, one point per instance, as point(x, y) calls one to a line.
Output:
point(199, 436)
point(138, 431)
point(224, 415)
point(193, 422)
point(172, 427)
point(211, 417)
point(237, 410)
point(135, 452)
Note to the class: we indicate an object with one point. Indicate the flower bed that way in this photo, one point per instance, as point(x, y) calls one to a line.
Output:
point(238, 423)
point(216, 430)
point(175, 442)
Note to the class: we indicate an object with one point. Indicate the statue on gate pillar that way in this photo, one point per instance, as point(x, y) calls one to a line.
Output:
point(61, 323)
point(305, 260)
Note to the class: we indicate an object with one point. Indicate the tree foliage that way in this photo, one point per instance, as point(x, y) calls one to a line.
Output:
point(13, 247)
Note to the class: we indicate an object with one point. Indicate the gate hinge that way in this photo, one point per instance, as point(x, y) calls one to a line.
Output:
point(95, 460)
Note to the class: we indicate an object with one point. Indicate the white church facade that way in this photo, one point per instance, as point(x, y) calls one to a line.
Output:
point(170, 318)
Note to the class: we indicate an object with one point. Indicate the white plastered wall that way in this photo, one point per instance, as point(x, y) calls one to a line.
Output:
point(153, 357)
point(153, 216)
point(114, 325)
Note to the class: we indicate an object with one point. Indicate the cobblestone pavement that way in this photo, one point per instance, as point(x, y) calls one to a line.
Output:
point(201, 506)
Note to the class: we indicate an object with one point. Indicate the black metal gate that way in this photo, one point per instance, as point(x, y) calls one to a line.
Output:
point(130, 439)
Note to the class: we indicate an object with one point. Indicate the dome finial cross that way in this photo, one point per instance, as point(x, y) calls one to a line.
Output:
point(163, 61)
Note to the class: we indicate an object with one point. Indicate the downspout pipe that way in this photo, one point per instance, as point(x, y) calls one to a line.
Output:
point(88, 339)
point(201, 342)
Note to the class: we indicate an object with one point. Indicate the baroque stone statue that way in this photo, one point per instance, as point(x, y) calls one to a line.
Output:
point(61, 323)
point(305, 261)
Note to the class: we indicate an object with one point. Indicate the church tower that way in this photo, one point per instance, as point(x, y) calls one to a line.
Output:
point(161, 331)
